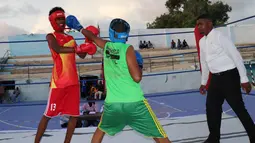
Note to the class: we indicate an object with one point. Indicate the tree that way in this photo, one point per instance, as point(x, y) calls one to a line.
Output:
point(183, 13)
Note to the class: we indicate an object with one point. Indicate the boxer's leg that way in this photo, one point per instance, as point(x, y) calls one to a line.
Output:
point(53, 109)
point(71, 107)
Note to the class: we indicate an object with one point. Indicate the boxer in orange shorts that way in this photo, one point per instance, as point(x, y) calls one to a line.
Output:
point(64, 95)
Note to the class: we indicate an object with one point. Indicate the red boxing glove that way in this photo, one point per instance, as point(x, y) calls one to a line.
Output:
point(92, 29)
point(89, 48)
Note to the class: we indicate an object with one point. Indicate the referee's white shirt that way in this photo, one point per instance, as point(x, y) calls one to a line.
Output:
point(218, 54)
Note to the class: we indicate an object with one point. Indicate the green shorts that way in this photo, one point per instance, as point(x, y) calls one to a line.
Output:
point(138, 115)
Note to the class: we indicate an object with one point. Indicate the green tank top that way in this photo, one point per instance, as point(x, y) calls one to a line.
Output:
point(120, 86)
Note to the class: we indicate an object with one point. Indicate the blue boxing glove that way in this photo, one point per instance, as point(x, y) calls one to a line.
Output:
point(139, 59)
point(73, 23)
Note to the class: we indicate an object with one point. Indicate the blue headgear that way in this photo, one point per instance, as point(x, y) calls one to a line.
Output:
point(121, 37)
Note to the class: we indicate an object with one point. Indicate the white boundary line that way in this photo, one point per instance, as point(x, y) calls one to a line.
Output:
point(18, 126)
point(163, 104)
point(5, 110)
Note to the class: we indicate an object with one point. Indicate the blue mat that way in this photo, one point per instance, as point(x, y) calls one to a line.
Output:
point(165, 105)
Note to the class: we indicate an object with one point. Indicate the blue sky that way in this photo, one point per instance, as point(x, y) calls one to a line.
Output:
point(31, 16)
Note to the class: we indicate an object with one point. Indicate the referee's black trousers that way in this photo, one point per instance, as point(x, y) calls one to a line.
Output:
point(226, 85)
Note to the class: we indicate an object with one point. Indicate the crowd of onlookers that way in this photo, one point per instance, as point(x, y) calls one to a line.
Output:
point(180, 45)
point(145, 45)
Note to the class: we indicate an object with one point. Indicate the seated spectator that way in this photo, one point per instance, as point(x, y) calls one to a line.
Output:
point(64, 122)
point(150, 45)
point(98, 94)
point(90, 108)
point(15, 95)
point(92, 93)
point(185, 44)
point(141, 45)
point(173, 45)
point(145, 45)
point(179, 44)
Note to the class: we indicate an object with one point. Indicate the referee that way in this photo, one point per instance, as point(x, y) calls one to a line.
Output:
point(219, 56)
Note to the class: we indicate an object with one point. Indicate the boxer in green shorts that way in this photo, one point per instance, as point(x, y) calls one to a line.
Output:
point(125, 103)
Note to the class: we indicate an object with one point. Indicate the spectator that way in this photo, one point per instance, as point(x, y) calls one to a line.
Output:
point(15, 95)
point(90, 108)
point(150, 45)
point(98, 94)
point(185, 44)
point(92, 92)
point(179, 44)
point(145, 45)
point(141, 45)
point(173, 44)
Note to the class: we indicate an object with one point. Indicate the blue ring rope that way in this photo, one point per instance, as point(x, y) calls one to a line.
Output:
point(156, 34)
point(148, 75)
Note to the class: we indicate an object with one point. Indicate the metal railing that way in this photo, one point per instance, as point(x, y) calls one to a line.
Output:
point(4, 59)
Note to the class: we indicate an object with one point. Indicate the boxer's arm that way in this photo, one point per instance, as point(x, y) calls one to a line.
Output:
point(97, 40)
point(52, 42)
point(134, 69)
point(81, 55)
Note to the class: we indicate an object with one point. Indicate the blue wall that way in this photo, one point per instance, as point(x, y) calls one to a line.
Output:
point(33, 48)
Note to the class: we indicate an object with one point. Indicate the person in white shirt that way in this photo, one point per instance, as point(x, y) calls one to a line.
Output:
point(88, 108)
point(219, 56)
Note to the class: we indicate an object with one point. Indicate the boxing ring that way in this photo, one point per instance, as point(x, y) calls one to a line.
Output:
point(182, 114)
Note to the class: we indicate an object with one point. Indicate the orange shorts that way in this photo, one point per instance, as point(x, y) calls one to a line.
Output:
point(63, 101)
